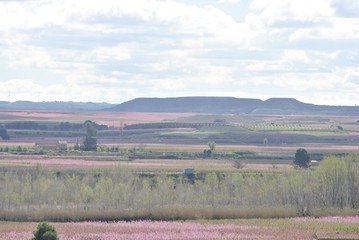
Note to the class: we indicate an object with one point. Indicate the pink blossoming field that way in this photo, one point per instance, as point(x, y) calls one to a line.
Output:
point(298, 228)
point(149, 230)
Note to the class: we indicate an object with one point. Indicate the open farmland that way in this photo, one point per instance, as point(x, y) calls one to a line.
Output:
point(170, 142)
point(179, 119)
point(265, 134)
point(139, 165)
point(108, 118)
point(136, 174)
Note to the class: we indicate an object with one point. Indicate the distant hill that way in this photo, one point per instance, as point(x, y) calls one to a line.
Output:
point(54, 106)
point(214, 105)
point(220, 105)
point(188, 104)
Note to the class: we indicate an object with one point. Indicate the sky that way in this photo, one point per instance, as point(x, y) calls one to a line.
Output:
point(117, 50)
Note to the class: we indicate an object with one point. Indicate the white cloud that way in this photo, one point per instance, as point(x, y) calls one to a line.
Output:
point(298, 55)
point(229, 1)
point(19, 89)
point(264, 66)
point(103, 54)
point(342, 29)
point(300, 10)
point(28, 56)
point(346, 8)
point(118, 50)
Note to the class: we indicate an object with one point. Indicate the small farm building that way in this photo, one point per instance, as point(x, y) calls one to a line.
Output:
point(59, 146)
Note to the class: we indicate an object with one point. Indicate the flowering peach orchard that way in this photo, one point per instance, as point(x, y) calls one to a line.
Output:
point(155, 230)
point(292, 228)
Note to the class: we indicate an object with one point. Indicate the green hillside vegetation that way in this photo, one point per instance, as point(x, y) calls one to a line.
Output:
point(119, 193)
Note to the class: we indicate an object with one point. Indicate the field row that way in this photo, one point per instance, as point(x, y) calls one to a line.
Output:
point(151, 165)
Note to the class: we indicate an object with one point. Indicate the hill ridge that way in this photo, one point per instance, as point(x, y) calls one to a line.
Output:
point(193, 104)
point(231, 105)
point(54, 106)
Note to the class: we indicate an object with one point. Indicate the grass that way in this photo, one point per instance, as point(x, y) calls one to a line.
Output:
point(172, 213)
point(322, 225)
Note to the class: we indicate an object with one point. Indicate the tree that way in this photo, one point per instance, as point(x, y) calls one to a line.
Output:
point(45, 231)
point(238, 164)
point(90, 140)
point(3, 134)
point(207, 153)
point(77, 145)
point(211, 145)
point(19, 149)
point(302, 158)
point(338, 182)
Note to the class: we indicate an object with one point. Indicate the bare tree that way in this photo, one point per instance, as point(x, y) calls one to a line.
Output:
point(238, 164)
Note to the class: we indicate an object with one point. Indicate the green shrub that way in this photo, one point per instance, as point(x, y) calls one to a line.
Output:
point(49, 236)
point(45, 231)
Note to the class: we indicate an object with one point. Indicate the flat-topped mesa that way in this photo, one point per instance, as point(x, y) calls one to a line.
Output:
point(210, 105)
point(231, 105)
point(189, 104)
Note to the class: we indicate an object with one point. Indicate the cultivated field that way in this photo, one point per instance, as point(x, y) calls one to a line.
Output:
point(136, 174)
point(301, 228)
point(138, 165)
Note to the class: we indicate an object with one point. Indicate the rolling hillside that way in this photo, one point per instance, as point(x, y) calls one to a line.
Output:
point(189, 104)
point(212, 105)
point(231, 105)
point(54, 106)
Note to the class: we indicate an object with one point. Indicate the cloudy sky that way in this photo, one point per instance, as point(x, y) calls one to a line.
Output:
point(117, 50)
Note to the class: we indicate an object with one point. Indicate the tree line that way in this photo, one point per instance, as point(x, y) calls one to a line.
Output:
point(90, 127)
point(333, 185)
point(61, 126)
